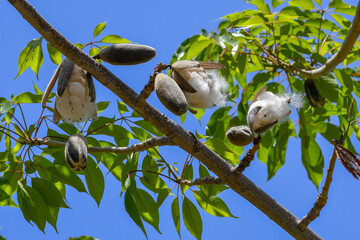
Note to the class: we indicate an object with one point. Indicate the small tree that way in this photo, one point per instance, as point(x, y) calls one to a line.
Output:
point(282, 50)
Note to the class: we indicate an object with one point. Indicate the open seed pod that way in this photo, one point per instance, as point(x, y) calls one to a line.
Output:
point(240, 135)
point(170, 94)
point(266, 110)
point(75, 94)
point(202, 89)
point(126, 54)
point(76, 151)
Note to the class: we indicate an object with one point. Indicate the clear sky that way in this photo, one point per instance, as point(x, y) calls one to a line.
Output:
point(162, 25)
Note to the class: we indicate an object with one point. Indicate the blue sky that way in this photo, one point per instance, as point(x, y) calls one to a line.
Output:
point(162, 25)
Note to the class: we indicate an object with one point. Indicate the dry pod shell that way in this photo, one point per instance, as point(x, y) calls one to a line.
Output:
point(170, 94)
point(76, 151)
point(240, 135)
point(312, 93)
point(75, 94)
point(126, 54)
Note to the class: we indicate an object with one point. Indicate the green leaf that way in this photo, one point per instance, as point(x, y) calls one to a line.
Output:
point(147, 207)
point(150, 179)
point(217, 124)
point(49, 192)
point(67, 176)
point(5, 107)
point(196, 48)
point(312, 159)
point(213, 205)
point(192, 218)
point(93, 51)
point(54, 54)
point(94, 180)
point(114, 39)
point(175, 212)
point(188, 175)
point(101, 106)
point(199, 114)
point(148, 127)
point(33, 206)
point(122, 107)
point(357, 131)
point(9, 188)
point(276, 3)
point(26, 55)
point(99, 28)
point(344, 79)
point(224, 150)
point(133, 211)
point(302, 4)
point(328, 88)
point(261, 5)
point(37, 59)
point(273, 147)
point(27, 97)
point(209, 190)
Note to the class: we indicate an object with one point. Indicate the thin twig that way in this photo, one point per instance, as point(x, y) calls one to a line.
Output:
point(249, 156)
point(201, 181)
point(150, 86)
point(138, 147)
point(322, 197)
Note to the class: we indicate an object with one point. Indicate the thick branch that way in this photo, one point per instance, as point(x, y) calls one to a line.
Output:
point(344, 50)
point(180, 136)
point(322, 197)
point(138, 147)
point(202, 181)
point(249, 156)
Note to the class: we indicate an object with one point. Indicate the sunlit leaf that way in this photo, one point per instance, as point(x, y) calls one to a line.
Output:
point(133, 211)
point(99, 28)
point(213, 205)
point(94, 180)
point(49, 192)
point(175, 212)
point(192, 218)
point(54, 54)
point(67, 176)
point(114, 39)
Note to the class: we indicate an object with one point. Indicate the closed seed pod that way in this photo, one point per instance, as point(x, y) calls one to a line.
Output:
point(170, 94)
point(312, 93)
point(126, 54)
point(76, 151)
point(240, 135)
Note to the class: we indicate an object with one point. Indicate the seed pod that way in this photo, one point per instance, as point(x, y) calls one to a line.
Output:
point(126, 54)
point(312, 93)
point(170, 94)
point(76, 150)
point(240, 135)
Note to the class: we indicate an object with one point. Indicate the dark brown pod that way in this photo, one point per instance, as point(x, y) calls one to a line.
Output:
point(76, 151)
point(240, 135)
point(170, 94)
point(126, 54)
point(312, 93)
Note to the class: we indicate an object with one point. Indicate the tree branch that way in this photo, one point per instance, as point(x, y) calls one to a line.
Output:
point(239, 183)
point(201, 181)
point(138, 147)
point(337, 58)
point(249, 156)
point(322, 197)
